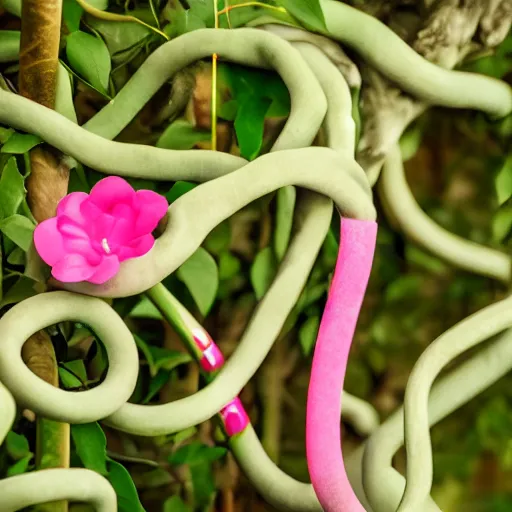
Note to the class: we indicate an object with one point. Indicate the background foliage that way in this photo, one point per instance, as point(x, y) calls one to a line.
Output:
point(459, 167)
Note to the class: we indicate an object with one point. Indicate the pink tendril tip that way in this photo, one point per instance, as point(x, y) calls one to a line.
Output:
point(235, 418)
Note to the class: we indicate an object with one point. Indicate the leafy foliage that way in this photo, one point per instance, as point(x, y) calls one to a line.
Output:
point(201, 276)
point(91, 446)
point(255, 96)
point(263, 271)
point(308, 12)
point(90, 58)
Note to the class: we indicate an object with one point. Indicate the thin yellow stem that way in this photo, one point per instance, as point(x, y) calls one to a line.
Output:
point(214, 102)
point(110, 16)
point(227, 9)
point(214, 83)
point(251, 4)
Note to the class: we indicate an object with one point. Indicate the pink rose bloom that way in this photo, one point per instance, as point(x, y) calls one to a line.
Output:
point(93, 233)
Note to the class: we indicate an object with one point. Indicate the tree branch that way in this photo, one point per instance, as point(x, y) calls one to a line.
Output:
point(46, 185)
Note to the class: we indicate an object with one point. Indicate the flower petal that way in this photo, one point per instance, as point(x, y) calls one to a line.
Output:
point(121, 234)
point(48, 241)
point(72, 268)
point(70, 206)
point(124, 211)
point(110, 191)
point(90, 210)
point(69, 228)
point(152, 208)
point(84, 247)
point(136, 248)
point(102, 227)
point(106, 270)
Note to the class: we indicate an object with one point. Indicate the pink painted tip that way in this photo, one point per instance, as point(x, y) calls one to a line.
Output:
point(202, 339)
point(235, 418)
point(212, 358)
point(93, 233)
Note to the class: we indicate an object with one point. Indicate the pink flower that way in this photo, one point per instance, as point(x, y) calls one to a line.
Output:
point(93, 233)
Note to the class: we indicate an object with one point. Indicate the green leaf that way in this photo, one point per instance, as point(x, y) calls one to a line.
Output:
point(503, 181)
point(102, 5)
point(229, 266)
point(308, 12)
point(410, 142)
point(19, 143)
point(183, 21)
point(181, 135)
point(284, 219)
point(121, 481)
point(228, 110)
point(308, 333)
point(12, 6)
point(144, 348)
point(89, 57)
point(263, 271)
point(20, 466)
point(119, 35)
point(183, 435)
point(203, 484)
point(493, 426)
point(91, 446)
point(219, 238)
point(200, 275)
point(166, 359)
point(203, 10)
point(196, 453)
point(68, 379)
point(19, 229)
point(16, 445)
point(249, 124)
point(146, 309)
point(17, 257)
point(313, 294)
point(156, 384)
point(77, 367)
point(175, 504)
point(497, 65)
point(330, 249)
point(21, 290)
point(178, 189)
point(244, 82)
point(161, 358)
point(12, 189)
point(71, 14)
point(9, 45)
point(5, 134)
point(502, 224)
point(64, 95)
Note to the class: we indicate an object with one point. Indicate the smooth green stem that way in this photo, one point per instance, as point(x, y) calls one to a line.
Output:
point(177, 316)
